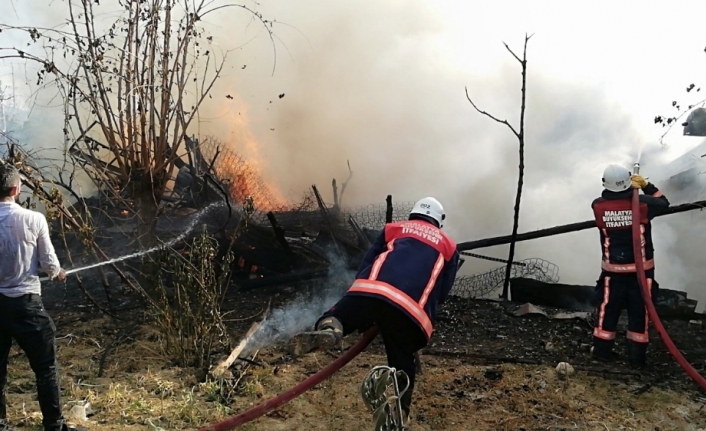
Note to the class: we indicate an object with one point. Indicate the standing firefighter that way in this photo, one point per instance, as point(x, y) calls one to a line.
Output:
point(618, 285)
point(405, 275)
point(24, 247)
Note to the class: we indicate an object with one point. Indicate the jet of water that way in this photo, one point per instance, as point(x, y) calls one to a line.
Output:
point(189, 228)
point(640, 148)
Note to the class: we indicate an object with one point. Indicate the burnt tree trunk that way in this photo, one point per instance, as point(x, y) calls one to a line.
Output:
point(520, 180)
point(146, 207)
point(521, 139)
point(147, 193)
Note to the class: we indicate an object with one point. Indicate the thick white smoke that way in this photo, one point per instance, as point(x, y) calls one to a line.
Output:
point(381, 83)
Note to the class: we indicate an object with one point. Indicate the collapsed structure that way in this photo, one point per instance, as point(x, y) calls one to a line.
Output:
point(282, 244)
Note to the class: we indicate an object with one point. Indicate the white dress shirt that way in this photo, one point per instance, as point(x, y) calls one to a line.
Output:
point(25, 246)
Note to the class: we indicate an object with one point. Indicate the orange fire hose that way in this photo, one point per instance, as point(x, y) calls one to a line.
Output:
point(647, 295)
point(302, 387)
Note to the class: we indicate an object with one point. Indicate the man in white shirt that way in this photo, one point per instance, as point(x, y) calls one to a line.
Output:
point(25, 246)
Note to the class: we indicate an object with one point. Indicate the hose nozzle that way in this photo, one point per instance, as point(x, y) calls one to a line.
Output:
point(636, 168)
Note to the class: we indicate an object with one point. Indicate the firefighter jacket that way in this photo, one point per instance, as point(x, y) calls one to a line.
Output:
point(411, 265)
point(613, 213)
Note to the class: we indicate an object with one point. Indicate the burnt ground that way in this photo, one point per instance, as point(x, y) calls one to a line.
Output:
point(484, 370)
point(486, 332)
point(485, 328)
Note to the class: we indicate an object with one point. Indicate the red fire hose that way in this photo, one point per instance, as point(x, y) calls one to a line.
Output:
point(302, 387)
point(647, 295)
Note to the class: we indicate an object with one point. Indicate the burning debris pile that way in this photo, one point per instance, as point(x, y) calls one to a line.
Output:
point(275, 243)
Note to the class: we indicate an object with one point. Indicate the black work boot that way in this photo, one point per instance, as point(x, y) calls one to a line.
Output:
point(602, 350)
point(328, 333)
point(637, 354)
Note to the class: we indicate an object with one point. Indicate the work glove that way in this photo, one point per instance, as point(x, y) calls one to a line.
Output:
point(638, 182)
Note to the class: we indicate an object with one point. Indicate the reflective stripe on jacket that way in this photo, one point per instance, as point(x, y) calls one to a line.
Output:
point(412, 265)
point(613, 214)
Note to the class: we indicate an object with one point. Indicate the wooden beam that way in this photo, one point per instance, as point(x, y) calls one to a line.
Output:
point(219, 370)
point(557, 230)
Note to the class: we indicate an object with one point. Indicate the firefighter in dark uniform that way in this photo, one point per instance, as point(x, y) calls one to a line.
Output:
point(406, 274)
point(618, 286)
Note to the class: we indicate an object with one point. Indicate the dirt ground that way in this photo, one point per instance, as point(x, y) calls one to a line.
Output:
point(484, 370)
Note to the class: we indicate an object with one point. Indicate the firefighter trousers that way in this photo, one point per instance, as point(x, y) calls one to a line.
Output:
point(617, 292)
point(402, 337)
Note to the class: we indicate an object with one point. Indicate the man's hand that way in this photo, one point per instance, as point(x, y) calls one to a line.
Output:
point(61, 276)
point(638, 182)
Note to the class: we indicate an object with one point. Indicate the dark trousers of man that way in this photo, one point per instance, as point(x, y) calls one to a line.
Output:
point(402, 337)
point(25, 320)
point(617, 292)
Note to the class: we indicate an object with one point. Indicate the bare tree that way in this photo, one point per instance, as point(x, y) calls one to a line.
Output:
point(694, 125)
point(130, 91)
point(520, 135)
point(337, 199)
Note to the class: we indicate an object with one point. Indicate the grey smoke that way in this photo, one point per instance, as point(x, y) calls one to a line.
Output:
point(366, 83)
point(301, 314)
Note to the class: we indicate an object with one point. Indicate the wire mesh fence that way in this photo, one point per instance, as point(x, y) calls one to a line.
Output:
point(481, 285)
point(373, 216)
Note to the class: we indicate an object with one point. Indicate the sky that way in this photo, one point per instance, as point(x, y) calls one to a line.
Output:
point(382, 84)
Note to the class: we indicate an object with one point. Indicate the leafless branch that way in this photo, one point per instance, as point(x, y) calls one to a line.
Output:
point(521, 140)
point(490, 115)
point(524, 56)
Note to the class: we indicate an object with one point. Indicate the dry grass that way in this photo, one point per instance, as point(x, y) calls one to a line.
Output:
point(139, 384)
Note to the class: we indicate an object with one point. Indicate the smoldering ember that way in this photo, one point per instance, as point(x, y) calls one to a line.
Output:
point(277, 217)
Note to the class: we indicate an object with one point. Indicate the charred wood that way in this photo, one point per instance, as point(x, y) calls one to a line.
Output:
point(363, 240)
point(335, 193)
point(565, 296)
point(284, 279)
point(326, 217)
point(199, 161)
point(219, 370)
point(279, 232)
point(388, 210)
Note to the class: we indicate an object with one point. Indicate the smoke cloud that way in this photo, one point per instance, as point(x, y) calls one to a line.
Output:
point(382, 84)
point(301, 314)
point(374, 85)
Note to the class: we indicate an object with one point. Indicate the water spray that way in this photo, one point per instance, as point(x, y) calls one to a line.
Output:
point(169, 243)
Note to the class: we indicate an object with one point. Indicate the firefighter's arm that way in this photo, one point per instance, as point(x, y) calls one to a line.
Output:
point(379, 246)
point(448, 277)
point(657, 202)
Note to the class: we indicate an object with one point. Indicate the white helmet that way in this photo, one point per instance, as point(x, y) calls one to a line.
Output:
point(616, 178)
point(431, 208)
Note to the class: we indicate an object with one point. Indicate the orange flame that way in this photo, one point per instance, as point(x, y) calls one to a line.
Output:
point(245, 181)
point(240, 164)
point(242, 170)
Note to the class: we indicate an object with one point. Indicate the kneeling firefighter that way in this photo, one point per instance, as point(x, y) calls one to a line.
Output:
point(618, 285)
point(407, 272)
